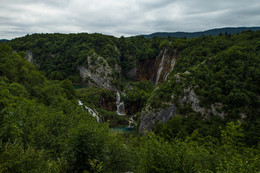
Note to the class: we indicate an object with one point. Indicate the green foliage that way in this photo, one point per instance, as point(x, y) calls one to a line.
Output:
point(120, 155)
point(233, 135)
point(137, 95)
point(155, 154)
point(59, 54)
point(182, 127)
point(221, 70)
point(87, 143)
point(233, 156)
point(97, 97)
point(14, 158)
point(68, 88)
point(42, 128)
point(37, 113)
point(158, 155)
point(174, 128)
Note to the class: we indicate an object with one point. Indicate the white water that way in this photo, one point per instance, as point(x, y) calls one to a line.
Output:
point(160, 68)
point(131, 121)
point(91, 111)
point(172, 66)
point(166, 77)
point(120, 105)
point(80, 103)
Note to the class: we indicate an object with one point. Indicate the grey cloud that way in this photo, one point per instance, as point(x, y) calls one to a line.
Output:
point(125, 17)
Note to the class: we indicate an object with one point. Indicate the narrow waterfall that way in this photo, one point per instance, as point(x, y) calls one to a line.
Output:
point(160, 68)
point(91, 111)
point(80, 103)
point(166, 77)
point(131, 121)
point(120, 105)
point(173, 62)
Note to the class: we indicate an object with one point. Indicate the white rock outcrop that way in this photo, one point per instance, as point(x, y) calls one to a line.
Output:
point(97, 72)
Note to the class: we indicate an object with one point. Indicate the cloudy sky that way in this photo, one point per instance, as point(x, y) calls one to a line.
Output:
point(123, 17)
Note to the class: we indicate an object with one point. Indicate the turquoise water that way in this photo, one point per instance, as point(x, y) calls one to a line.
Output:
point(123, 129)
point(79, 86)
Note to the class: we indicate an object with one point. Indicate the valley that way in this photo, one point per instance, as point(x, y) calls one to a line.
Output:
point(97, 103)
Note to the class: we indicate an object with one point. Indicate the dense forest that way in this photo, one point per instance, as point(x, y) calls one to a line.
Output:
point(212, 32)
point(212, 85)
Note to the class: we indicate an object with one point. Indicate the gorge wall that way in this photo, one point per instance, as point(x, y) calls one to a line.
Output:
point(150, 116)
point(157, 70)
point(149, 119)
point(97, 72)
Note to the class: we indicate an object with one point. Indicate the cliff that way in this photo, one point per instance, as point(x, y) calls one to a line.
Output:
point(156, 69)
point(97, 72)
point(168, 109)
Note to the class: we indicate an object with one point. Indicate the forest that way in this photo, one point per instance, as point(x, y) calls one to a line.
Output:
point(43, 128)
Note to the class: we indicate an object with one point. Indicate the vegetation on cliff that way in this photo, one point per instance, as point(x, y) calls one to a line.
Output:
point(223, 72)
point(59, 55)
point(43, 129)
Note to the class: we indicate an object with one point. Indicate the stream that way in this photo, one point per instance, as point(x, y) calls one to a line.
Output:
point(120, 111)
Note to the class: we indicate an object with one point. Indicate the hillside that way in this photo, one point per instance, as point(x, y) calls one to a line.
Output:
point(3, 40)
point(212, 32)
point(194, 103)
point(206, 76)
point(215, 78)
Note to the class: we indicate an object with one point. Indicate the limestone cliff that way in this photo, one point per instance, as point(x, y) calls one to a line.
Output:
point(97, 72)
point(164, 64)
point(156, 69)
point(29, 57)
point(149, 119)
point(150, 115)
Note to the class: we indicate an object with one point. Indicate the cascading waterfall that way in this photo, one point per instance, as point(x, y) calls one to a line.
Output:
point(166, 77)
point(173, 62)
point(160, 68)
point(120, 105)
point(131, 121)
point(91, 111)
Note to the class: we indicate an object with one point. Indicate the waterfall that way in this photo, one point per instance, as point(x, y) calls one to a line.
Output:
point(80, 103)
point(91, 111)
point(120, 105)
point(160, 68)
point(166, 77)
point(131, 121)
point(173, 62)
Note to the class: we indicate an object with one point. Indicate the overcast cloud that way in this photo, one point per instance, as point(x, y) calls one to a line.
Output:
point(123, 17)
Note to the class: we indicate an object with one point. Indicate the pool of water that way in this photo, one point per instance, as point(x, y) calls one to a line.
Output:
point(123, 129)
point(79, 86)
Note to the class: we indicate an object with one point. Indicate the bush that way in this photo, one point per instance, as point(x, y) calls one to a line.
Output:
point(86, 143)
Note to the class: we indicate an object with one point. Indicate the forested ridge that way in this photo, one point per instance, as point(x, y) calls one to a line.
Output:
point(44, 129)
point(222, 71)
point(213, 32)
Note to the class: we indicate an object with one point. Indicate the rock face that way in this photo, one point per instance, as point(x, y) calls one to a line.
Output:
point(132, 73)
point(97, 72)
point(164, 64)
point(189, 97)
point(156, 70)
point(29, 57)
point(148, 119)
point(145, 69)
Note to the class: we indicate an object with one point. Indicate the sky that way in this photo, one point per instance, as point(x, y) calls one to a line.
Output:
point(123, 17)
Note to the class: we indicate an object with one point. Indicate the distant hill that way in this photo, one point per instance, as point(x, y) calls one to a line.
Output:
point(3, 40)
point(213, 32)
